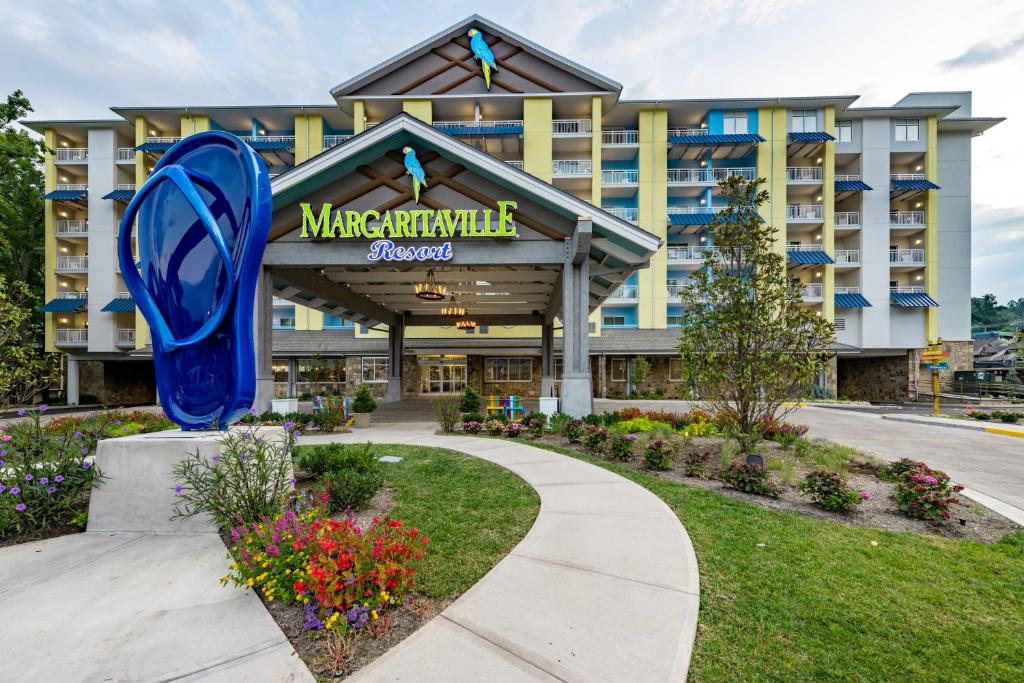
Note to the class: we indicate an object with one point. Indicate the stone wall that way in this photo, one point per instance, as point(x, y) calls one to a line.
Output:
point(886, 378)
point(115, 382)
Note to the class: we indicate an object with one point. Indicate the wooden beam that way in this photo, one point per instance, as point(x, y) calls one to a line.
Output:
point(318, 285)
point(458, 288)
point(381, 274)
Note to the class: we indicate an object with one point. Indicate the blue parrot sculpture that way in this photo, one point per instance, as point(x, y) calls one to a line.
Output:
point(482, 52)
point(413, 168)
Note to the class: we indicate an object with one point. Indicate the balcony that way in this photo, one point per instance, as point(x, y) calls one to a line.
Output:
point(848, 177)
point(620, 137)
point(687, 131)
point(126, 336)
point(626, 213)
point(73, 187)
point(68, 264)
point(707, 176)
point(847, 219)
point(620, 177)
point(674, 291)
point(906, 257)
point(72, 228)
point(907, 218)
point(515, 163)
point(803, 174)
point(811, 292)
point(907, 289)
point(125, 154)
point(334, 140)
point(688, 255)
point(572, 168)
point(67, 336)
point(847, 257)
point(572, 128)
point(906, 176)
point(804, 213)
point(624, 293)
point(847, 290)
point(472, 128)
point(72, 295)
point(72, 154)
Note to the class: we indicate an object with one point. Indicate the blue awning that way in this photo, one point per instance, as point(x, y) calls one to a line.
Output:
point(690, 218)
point(816, 136)
point(915, 184)
point(120, 305)
point(64, 305)
point(270, 145)
point(852, 186)
point(154, 146)
point(913, 300)
point(120, 195)
point(478, 131)
point(65, 195)
point(730, 139)
point(852, 301)
point(809, 257)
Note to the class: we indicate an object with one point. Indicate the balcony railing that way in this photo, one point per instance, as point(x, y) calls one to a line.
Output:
point(848, 176)
point(674, 291)
point(67, 226)
point(803, 174)
point(847, 218)
point(847, 256)
point(906, 218)
point(126, 154)
point(68, 335)
point(688, 254)
point(907, 289)
point(123, 295)
point(567, 128)
point(620, 177)
point(72, 295)
point(906, 256)
point(620, 137)
point(441, 125)
point(74, 187)
point(125, 186)
point(693, 176)
point(847, 290)
point(270, 138)
point(804, 247)
point(126, 336)
point(810, 291)
point(906, 176)
point(624, 293)
point(515, 163)
point(72, 154)
point(626, 213)
point(164, 139)
point(803, 212)
point(334, 140)
point(687, 131)
point(72, 263)
point(572, 168)
point(695, 209)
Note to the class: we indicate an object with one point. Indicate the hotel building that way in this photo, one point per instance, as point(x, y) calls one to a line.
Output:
point(872, 206)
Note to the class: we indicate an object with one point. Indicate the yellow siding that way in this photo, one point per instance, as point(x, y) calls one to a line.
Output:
point(771, 165)
point(49, 237)
point(828, 206)
point(358, 117)
point(421, 109)
point(595, 150)
point(194, 123)
point(931, 230)
point(141, 174)
point(652, 198)
point(537, 131)
point(309, 136)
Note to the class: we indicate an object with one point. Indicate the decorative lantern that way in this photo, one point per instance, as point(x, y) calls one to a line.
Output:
point(430, 290)
point(465, 324)
point(452, 309)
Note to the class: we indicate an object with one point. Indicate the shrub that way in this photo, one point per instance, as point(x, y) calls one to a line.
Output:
point(658, 455)
point(898, 470)
point(636, 425)
point(248, 481)
point(593, 419)
point(977, 414)
point(630, 413)
point(363, 402)
point(513, 430)
point(662, 416)
point(1005, 416)
point(700, 428)
point(331, 416)
point(695, 463)
point(620, 447)
point(472, 427)
point(470, 402)
point(540, 417)
point(474, 417)
point(611, 418)
point(535, 426)
point(925, 493)
point(829, 491)
point(574, 431)
point(352, 483)
point(559, 421)
point(447, 411)
point(595, 438)
point(269, 417)
point(749, 478)
point(783, 433)
point(494, 427)
point(44, 478)
point(301, 419)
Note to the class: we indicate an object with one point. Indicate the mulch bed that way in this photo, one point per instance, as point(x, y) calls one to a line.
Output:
point(64, 529)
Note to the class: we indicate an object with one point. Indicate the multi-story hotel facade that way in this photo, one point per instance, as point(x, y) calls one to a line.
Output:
point(872, 206)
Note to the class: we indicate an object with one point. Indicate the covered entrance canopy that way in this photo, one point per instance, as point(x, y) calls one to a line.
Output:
point(566, 256)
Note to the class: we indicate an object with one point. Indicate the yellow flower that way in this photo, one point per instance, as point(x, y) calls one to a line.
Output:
point(374, 615)
point(305, 601)
point(249, 583)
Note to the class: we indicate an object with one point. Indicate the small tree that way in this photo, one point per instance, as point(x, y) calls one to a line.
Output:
point(363, 402)
point(640, 371)
point(470, 402)
point(24, 367)
point(747, 338)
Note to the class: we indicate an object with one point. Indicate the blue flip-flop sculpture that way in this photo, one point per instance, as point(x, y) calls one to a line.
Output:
point(203, 221)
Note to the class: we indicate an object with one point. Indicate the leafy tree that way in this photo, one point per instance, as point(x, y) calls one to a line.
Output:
point(24, 367)
point(988, 313)
point(21, 208)
point(747, 339)
point(639, 371)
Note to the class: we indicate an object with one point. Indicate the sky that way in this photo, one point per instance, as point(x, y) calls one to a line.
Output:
point(74, 59)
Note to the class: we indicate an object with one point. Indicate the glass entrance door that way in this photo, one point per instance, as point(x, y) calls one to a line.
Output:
point(442, 376)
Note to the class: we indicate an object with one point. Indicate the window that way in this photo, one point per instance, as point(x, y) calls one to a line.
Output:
point(844, 129)
point(335, 322)
point(613, 320)
point(284, 318)
point(508, 369)
point(840, 324)
point(319, 369)
point(675, 370)
point(375, 369)
point(618, 369)
point(805, 120)
point(734, 122)
point(674, 321)
point(484, 329)
point(907, 130)
point(558, 369)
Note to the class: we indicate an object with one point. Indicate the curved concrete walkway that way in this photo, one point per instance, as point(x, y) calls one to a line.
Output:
point(604, 587)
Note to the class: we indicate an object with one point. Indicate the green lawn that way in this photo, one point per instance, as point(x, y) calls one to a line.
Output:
point(819, 602)
point(473, 511)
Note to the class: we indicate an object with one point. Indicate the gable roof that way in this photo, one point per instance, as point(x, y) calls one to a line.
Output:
point(359, 84)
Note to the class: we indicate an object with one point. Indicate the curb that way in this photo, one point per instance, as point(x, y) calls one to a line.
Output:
point(957, 424)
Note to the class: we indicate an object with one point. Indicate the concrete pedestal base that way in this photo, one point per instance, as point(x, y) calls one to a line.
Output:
point(577, 395)
point(394, 389)
point(547, 386)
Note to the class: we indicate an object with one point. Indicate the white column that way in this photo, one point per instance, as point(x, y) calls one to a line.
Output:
point(577, 390)
point(547, 359)
point(263, 315)
point(396, 337)
point(72, 380)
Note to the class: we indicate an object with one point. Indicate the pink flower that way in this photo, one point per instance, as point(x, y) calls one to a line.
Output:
point(866, 495)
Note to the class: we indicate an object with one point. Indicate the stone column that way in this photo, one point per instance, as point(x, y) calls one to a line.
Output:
point(72, 380)
point(293, 377)
point(577, 391)
point(547, 359)
point(263, 315)
point(396, 337)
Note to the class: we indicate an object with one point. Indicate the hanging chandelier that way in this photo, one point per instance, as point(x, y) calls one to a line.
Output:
point(452, 309)
point(430, 290)
point(465, 324)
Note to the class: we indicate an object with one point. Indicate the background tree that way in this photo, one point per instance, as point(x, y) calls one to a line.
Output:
point(639, 371)
point(748, 341)
point(24, 367)
point(21, 208)
point(988, 314)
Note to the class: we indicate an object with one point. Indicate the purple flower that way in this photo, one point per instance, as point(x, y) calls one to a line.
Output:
point(29, 477)
point(2, 463)
point(85, 451)
point(289, 425)
point(43, 481)
point(177, 489)
point(21, 413)
point(252, 411)
point(86, 465)
point(296, 433)
point(930, 479)
point(51, 490)
point(273, 550)
point(43, 407)
point(59, 478)
point(215, 458)
point(312, 621)
point(78, 435)
point(241, 458)
point(15, 490)
point(20, 507)
point(2, 488)
point(117, 422)
point(6, 437)
point(866, 495)
point(292, 481)
point(3, 453)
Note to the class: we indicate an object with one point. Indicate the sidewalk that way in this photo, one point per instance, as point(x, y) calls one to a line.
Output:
point(974, 425)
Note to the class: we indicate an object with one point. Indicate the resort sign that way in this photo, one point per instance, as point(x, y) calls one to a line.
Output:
point(418, 224)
